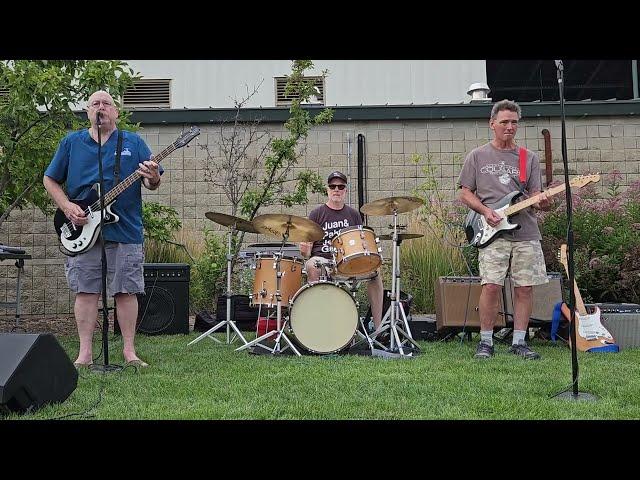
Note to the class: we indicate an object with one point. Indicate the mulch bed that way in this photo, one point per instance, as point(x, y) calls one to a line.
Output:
point(58, 325)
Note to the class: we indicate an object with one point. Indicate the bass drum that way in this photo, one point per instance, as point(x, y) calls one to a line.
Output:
point(323, 317)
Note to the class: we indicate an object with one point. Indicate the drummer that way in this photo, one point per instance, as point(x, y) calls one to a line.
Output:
point(333, 216)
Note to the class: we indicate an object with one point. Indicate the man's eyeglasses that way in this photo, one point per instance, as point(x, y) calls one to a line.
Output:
point(340, 186)
point(96, 103)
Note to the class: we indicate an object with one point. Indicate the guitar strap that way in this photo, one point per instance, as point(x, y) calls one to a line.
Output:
point(522, 152)
point(116, 167)
point(523, 165)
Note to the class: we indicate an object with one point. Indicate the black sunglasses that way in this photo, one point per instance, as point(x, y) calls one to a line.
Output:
point(340, 186)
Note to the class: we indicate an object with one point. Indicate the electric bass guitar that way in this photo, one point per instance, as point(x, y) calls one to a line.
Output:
point(591, 335)
point(77, 239)
point(480, 234)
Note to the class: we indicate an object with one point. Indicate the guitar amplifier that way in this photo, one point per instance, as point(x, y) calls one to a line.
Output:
point(544, 298)
point(457, 303)
point(164, 307)
point(622, 320)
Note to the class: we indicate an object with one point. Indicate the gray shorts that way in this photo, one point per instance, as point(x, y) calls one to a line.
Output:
point(124, 269)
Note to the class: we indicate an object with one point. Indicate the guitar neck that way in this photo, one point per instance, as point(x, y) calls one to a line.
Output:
point(135, 176)
point(582, 310)
point(530, 201)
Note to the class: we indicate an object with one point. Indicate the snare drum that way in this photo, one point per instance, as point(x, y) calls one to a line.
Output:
point(356, 250)
point(323, 317)
point(264, 283)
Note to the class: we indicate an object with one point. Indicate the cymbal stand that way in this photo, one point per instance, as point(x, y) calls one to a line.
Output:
point(228, 322)
point(277, 349)
point(395, 313)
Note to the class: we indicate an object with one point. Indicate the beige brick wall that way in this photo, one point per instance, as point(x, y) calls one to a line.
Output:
point(594, 144)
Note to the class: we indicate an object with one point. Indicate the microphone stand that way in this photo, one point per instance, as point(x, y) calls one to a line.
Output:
point(105, 367)
point(574, 394)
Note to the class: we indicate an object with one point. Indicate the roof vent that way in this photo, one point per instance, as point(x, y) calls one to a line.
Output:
point(479, 92)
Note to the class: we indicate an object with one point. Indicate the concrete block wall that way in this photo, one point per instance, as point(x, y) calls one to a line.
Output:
point(594, 144)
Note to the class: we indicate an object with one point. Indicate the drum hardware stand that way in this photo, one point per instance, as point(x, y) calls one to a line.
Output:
point(228, 322)
point(279, 325)
point(396, 310)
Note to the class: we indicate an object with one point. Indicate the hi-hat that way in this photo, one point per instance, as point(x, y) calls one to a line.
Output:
point(401, 236)
point(386, 206)
point(229, 220)
point(300, 229)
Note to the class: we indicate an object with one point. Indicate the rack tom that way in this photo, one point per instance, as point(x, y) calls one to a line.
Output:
point(356, 250)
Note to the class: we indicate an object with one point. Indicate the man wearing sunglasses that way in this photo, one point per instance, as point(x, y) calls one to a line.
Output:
point(333, 216)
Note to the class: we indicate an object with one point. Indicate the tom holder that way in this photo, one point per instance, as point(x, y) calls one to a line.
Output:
point(230, 324)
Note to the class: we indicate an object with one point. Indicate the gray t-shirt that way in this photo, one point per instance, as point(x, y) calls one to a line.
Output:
point(492, 173)
point(332, 221)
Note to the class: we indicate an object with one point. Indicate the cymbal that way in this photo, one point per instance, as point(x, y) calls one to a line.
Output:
point(229, 220)
point(385, 206)
point(300, 229)
point(401, 236)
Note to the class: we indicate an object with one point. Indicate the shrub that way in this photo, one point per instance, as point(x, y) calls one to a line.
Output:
point(606, 240)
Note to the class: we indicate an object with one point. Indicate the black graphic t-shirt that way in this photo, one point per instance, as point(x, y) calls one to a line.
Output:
point(332, 221)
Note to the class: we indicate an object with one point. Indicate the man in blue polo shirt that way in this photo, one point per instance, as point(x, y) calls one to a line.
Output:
point(75, 164)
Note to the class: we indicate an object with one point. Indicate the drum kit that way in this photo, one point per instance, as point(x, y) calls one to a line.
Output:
point(321, 316)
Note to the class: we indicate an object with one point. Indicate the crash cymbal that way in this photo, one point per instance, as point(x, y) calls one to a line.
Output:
point(385, 206)
point(300, 229)
point(401, 236)
point(229, 220)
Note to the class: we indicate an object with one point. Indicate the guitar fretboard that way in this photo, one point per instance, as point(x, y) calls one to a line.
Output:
point(130, 180)
point(530, 201)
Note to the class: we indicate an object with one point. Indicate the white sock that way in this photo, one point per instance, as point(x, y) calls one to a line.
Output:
point(486, 336)
point(518, 337)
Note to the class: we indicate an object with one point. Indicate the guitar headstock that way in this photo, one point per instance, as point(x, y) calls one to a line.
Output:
point(584, 180)
point(186, 137)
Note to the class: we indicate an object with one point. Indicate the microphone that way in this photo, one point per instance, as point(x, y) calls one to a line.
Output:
point(98, 118)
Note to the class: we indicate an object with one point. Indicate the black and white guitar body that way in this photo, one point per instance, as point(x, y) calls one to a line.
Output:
point(79, 238)
point(479, 233)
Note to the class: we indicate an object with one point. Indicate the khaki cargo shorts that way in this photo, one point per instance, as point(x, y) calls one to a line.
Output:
point(525, 258)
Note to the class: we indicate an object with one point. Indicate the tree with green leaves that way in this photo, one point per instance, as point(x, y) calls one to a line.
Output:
point(38, 106)
point(251, 181)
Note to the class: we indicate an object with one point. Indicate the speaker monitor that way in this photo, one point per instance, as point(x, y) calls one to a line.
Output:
point(457, 303)
point(34, 370)
point(164, 307)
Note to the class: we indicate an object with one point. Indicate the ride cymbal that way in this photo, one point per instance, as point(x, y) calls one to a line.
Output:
point(386, 206)
point(401, 236)
point(300, 229)
point(229, 220)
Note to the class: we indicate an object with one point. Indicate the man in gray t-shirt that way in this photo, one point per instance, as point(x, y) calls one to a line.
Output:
point(489, 173)
point(333, 216)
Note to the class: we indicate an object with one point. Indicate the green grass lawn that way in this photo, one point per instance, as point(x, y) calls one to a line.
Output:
point(212, 381)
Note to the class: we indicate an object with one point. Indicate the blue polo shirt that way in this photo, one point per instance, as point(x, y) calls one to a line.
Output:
point(76, 163)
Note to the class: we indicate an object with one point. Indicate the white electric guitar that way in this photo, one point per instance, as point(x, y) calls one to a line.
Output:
point(590, 333)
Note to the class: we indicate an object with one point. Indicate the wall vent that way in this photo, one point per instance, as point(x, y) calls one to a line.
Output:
point(282, 99)
point(148, 93)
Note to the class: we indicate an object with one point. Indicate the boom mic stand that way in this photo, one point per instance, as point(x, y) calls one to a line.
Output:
point(105, 367)
point(574, 394)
